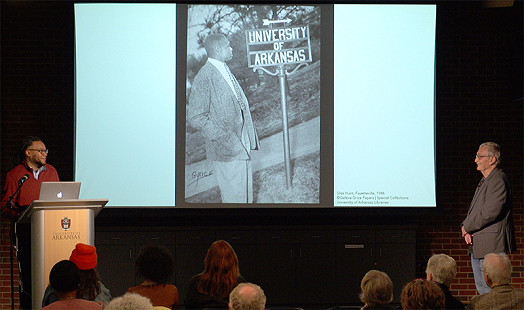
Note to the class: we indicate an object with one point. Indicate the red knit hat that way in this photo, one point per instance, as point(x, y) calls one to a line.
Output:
point(84, 256)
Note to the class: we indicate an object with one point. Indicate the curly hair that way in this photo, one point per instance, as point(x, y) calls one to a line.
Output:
point(130, 301)
point(221, 271)
point(421, 294)
point(155, 264)
point(64, 277)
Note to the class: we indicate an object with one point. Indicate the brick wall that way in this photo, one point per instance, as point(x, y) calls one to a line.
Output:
point(479, 98)
point(37, 95)
point(37, 80)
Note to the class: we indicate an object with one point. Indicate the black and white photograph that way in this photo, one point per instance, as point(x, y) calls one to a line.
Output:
point(253, 104)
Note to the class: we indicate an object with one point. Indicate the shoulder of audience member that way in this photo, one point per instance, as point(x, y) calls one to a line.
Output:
point(104, 295)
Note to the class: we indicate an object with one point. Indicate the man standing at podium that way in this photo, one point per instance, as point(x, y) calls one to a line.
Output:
point(29, 174)
point(32, 170)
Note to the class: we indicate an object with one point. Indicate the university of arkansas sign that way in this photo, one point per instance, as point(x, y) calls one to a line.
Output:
point(278, 46)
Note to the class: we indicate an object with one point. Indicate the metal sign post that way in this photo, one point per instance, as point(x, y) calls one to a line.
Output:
point(283, 98)
point(278, 47)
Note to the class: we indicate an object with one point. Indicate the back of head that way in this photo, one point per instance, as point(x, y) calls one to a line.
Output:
point(498, 268)
point(221, 257)
point(247, 296)
point(26, 143)
point(443, 268)
point(377, 288)
point(221, 271)
point(421, 294)
point(86, 259)
point(64, 277)
point(155, 264)
point(84, 256)
point(130, 301)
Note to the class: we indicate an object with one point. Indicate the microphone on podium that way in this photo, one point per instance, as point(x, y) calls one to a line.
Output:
point(23, 179)
point(9, 204)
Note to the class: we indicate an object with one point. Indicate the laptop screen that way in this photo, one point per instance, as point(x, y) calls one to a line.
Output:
point(59, 190)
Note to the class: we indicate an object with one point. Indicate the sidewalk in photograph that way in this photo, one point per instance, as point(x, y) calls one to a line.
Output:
point(303, 138)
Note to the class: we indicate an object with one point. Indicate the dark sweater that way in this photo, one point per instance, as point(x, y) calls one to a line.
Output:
point(196, 300)
point(451, 302)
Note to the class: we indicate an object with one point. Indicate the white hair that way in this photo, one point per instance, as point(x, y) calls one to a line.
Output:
point(493, 150)
point(498, 268)
point(130, 301)
point(443, 268)
point(247, 296)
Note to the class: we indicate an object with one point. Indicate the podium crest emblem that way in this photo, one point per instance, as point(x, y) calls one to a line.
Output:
point(66, 223)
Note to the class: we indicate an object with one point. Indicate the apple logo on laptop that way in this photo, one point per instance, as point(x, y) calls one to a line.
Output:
point(59, 195)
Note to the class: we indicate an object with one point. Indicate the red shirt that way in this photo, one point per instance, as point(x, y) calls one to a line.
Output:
point(30, 190)
point(73, 304)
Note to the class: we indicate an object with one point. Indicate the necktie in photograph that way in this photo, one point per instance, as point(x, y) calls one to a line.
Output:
point(249, 125)
point(236, 86)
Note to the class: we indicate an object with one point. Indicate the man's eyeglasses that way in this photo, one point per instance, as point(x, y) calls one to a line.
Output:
point(480, 156)
point(41, 151)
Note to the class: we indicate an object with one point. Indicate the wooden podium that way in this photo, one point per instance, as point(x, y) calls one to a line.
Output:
point(56, 228)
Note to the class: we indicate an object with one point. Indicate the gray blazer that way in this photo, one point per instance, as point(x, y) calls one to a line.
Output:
point(214, 110)
point(490, 218)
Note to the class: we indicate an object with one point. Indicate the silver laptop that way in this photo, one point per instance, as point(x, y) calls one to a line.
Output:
point(59, 190)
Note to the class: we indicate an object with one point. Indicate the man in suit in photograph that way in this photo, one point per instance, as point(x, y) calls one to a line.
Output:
point(488, 227)
point(219, 109)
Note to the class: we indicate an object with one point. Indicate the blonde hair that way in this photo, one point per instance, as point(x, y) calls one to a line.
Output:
point(377, 288)
point(443, 268)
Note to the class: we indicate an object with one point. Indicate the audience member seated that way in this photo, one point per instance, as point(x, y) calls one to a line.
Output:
point(211, 287)
point(65, 278)
point(247, 296)
point(377, 290)
point(421, 294)
point(156, 266)
point(497, 272)
point(442, 269)
point(85, 258)
point(130, 301)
